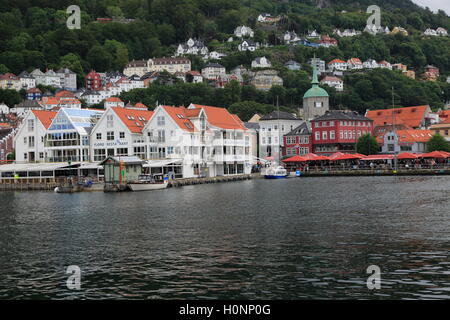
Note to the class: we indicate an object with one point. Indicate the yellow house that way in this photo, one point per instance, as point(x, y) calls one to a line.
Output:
point(10, 81)
point(442, 129)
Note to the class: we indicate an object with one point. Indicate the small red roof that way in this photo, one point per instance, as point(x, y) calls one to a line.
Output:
point(135, 120)
point(113, 99)
point(331, 79)
point(336, 61)
point(45, 117)
point(180, 117)
point(140, 105)
point(64, 94)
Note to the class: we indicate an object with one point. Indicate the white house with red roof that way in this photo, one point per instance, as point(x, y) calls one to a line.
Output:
point(119, 133)
point(333, 82)
point(405, 141)
point(202, 141)
point(29, 139)
point(337, 65)
point(114, 102)
point(354, 64)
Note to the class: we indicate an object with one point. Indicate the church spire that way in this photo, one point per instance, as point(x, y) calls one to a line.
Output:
point(315, 78)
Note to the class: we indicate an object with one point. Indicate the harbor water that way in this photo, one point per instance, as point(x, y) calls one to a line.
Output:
point(300, 238)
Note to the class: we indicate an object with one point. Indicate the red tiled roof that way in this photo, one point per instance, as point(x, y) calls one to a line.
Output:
point(64, 94)
point(221, 118)
point(140, 105)
point(34, 90)
point(50, 101)
point(406, 136)
point(181, 117)
point(135, 120)
point(354, 61)
point(331, 79)
point(45, 117)
point(410, 116)
point(113, 99)
point(336, 61)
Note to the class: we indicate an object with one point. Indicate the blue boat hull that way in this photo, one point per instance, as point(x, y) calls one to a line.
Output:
point(275, 177)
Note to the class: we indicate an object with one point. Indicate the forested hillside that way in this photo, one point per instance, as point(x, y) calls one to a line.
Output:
point(34, 35)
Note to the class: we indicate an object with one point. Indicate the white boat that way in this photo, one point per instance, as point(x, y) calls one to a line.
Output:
point(148, 182)
point(275, 172)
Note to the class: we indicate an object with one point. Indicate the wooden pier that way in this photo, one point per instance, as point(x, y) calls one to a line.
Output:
point(193, 181)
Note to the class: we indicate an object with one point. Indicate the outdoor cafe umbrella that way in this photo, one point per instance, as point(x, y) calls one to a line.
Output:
point(295, 159)
point(407, 156)
point(315, 157)
point(436, 155)
point(336, 155)
point(348, 157)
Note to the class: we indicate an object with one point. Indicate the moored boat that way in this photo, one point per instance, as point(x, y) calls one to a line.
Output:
point(275, 173)
point(148, 182)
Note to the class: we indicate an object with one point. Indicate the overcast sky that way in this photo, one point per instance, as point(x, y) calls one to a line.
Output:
point(435, 4)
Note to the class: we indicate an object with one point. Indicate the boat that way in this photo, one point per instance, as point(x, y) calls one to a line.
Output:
point(147, 182)
point(276, 172)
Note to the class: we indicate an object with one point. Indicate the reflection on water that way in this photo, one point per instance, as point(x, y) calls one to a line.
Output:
point(294, 239)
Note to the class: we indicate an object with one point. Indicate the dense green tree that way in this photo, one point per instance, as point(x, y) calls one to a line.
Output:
point(438, 143)
point(367, 145)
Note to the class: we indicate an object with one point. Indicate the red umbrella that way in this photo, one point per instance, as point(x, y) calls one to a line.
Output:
point(336, 155)
point(295, 159)
point(378, 157)
point(315, 157)
point(349, 157)
point(407, 156)
point(436, 155)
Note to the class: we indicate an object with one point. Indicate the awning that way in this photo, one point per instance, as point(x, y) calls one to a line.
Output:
point(348, 157)
point(436, 155)
point(34, 167)
point(378, 157)
point(162, 163)
point(407, 156)
point(295, 159)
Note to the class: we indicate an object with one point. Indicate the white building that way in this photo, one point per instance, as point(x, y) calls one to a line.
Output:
point(114, 102)
point(319, 64)
point(119, 133)
point(413, 141)
point(68, 79)
point(355, 64)
point(192, 46)
point(333, 82)
point(68, 136)
point(442, 32)
point(261, 62)
point(213, 70)
point(92, 97)
point(244, 31)
point(370, 64)
point(272, 128)
point(52, 79)
point(27, 81)
point(337, 65)
point(291, 37)
point(206, 141)
point(29, 139)
point(248, 45)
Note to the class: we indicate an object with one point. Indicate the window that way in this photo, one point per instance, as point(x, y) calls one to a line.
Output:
point(110, 121)
point(122, 135)
point(99, 136)
point(41, 155)
point(332, 135)
point(325, 135)
point(122, 152)
point(30, 125)
point(25, 156)
point(110, 135)
point(317, 136)
point(161, 136)
point(99, 154)
point(161, 121)
point(25, 140)
point(31, 142)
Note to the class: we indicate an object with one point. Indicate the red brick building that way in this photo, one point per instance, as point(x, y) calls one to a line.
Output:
point(93, 81)
point(297, 142)
point(338, 131)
